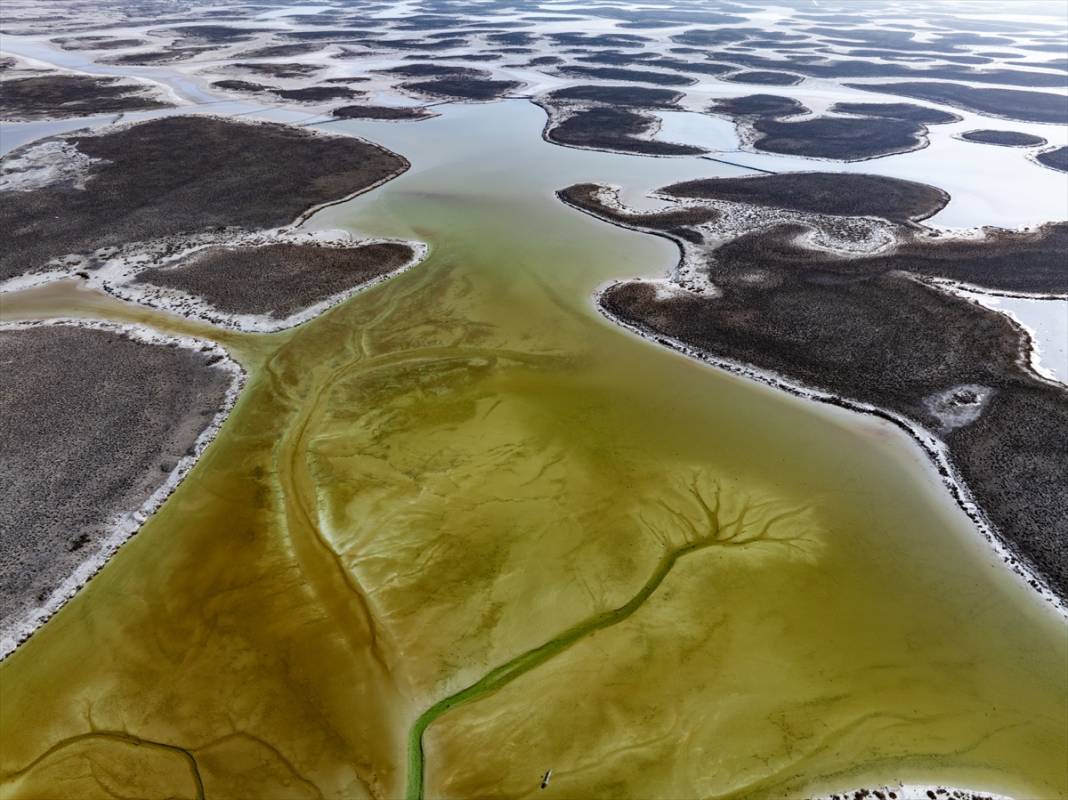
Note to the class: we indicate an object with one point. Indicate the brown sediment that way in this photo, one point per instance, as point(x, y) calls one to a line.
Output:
point(875, 332)
point(181, 175)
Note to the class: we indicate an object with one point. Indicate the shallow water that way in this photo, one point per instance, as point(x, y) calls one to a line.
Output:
point(454, 469)
point(1046, 322)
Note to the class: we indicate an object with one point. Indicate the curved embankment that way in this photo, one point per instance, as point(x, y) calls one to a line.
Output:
point(960, 381)
point(736, 532)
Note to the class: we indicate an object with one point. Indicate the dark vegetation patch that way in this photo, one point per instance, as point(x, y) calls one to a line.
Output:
point(905, 111)
point(281, 51)
point(473, 57)
point(618, 40)
point(434, 71)
point(211, 34)
point(1003, 138)
point(611, 128)
point(92, 424)
point(418, 44)
point(710, 38)
point(758, 105)
point(168, 56)
point(857, 68)
point(677, 222)
point(278, 280)
point(520, 38)
point(615, 58)
point(763, 77)
point(318, 94)
point(279, 69)
point(845, 138)
point(632, 96)
point(382, 112)
point(698, 67)
point(72, 96)
point(1054, 159)
point(632, 75)
point(463, 88)
point(183, 175)
point(96, 43)
point(1007, 103)
point(234, 85)
point(835, 193)
point(345, 35)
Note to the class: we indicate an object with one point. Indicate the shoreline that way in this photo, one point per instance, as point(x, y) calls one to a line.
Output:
point(933, 448)
point(126, 524)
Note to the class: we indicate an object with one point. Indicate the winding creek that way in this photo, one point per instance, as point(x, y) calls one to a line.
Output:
point(460, 530)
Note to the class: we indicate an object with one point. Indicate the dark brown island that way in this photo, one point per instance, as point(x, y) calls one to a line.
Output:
point(876, 331)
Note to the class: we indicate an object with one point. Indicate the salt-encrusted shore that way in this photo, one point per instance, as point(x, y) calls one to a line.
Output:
point(125, 523)
point(931, 445)
point(680, 283)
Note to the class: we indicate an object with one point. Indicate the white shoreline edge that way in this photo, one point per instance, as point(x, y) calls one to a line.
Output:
point(126, 524)
point(931, 445)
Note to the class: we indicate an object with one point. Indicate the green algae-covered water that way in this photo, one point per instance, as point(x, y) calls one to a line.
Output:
point(461, 530)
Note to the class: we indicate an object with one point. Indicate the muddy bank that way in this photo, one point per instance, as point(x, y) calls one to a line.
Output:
point(99, 424)
point(176, 175)
point(874, 331)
